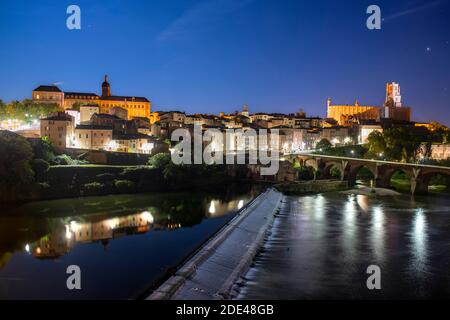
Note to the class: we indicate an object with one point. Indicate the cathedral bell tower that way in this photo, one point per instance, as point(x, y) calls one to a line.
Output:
point(106, 88)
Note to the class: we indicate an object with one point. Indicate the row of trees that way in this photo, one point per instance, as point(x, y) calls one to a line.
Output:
point(26, 110)
point(406, 144)
point(24, 164)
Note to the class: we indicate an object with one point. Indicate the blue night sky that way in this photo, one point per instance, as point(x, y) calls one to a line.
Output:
point(212, 56)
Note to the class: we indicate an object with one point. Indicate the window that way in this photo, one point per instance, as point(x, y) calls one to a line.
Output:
point(37, 96)
point(87, 135)
point(79, 136)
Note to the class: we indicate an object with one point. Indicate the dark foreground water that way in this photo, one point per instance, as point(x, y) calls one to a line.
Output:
point(321, 247)
point(122, 243)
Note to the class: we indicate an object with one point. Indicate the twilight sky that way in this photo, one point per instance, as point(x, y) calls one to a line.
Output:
point(215, 55)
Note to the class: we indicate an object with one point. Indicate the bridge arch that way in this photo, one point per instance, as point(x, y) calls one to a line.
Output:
point(327, 171)
point(426, 179)
point(355, 169)
point(385, 179)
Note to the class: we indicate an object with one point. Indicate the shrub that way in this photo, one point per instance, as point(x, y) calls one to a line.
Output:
point(160, 160)
point(105, 178)
point(65, 160)
point(62, 160)
point(40, 168)
point(42, 149)
point(305, 173)
point(92, 188)
point(124, 186)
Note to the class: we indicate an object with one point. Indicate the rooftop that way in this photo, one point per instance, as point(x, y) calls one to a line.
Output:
point(51, 88)
point(60, 116)
point(124, 98)
point(92, 127)
point(83, 94)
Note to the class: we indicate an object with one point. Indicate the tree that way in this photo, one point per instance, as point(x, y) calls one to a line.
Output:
point(323, 144)
point(16, 175)
point(27, 110)
point(42, 149)
point(403, 144)
point(376, 144)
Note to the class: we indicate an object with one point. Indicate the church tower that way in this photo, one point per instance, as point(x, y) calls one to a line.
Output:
point(245, 111)
point(106, 88)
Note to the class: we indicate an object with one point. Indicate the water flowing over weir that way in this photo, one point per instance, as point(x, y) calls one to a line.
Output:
point(321, 245)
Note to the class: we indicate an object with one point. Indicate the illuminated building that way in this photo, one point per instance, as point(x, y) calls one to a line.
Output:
point(440, 151)
point(136, 106)
point(48, 94)
point(366, 129)
point(58, 129)
point(92, 137)
point(393, 109)
point(346, 114)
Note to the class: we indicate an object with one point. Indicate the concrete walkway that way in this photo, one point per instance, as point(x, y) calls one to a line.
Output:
point(214, 269)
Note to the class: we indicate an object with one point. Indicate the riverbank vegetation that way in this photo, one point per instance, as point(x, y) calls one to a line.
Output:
point(403, 144)
point(31, 170)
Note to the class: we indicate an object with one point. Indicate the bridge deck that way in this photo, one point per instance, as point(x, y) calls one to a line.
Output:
point(414, 165)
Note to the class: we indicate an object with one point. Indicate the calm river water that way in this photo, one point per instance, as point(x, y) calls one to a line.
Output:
point(122, 243)
point(321, 246)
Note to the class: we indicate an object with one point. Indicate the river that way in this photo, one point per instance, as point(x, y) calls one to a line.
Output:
point(123, 243)
point(321, 246)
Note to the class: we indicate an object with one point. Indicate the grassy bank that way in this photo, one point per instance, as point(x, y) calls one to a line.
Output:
point(94, 180)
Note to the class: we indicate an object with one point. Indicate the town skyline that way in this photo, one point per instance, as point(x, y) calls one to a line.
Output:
point(215, 56)
point(322, 110)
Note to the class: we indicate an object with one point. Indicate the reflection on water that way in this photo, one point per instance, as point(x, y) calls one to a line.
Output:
point(122, 243)
point(321, 246)
point(419, 244)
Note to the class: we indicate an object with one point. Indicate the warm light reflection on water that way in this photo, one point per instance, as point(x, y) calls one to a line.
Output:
point(419, 237)
point(377, 232)
point(135, 236)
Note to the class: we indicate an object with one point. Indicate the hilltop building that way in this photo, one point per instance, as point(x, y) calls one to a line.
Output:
point(347, 115)
point(135, 106)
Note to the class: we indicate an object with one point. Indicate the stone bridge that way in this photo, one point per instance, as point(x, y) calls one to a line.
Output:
point(420, 175)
